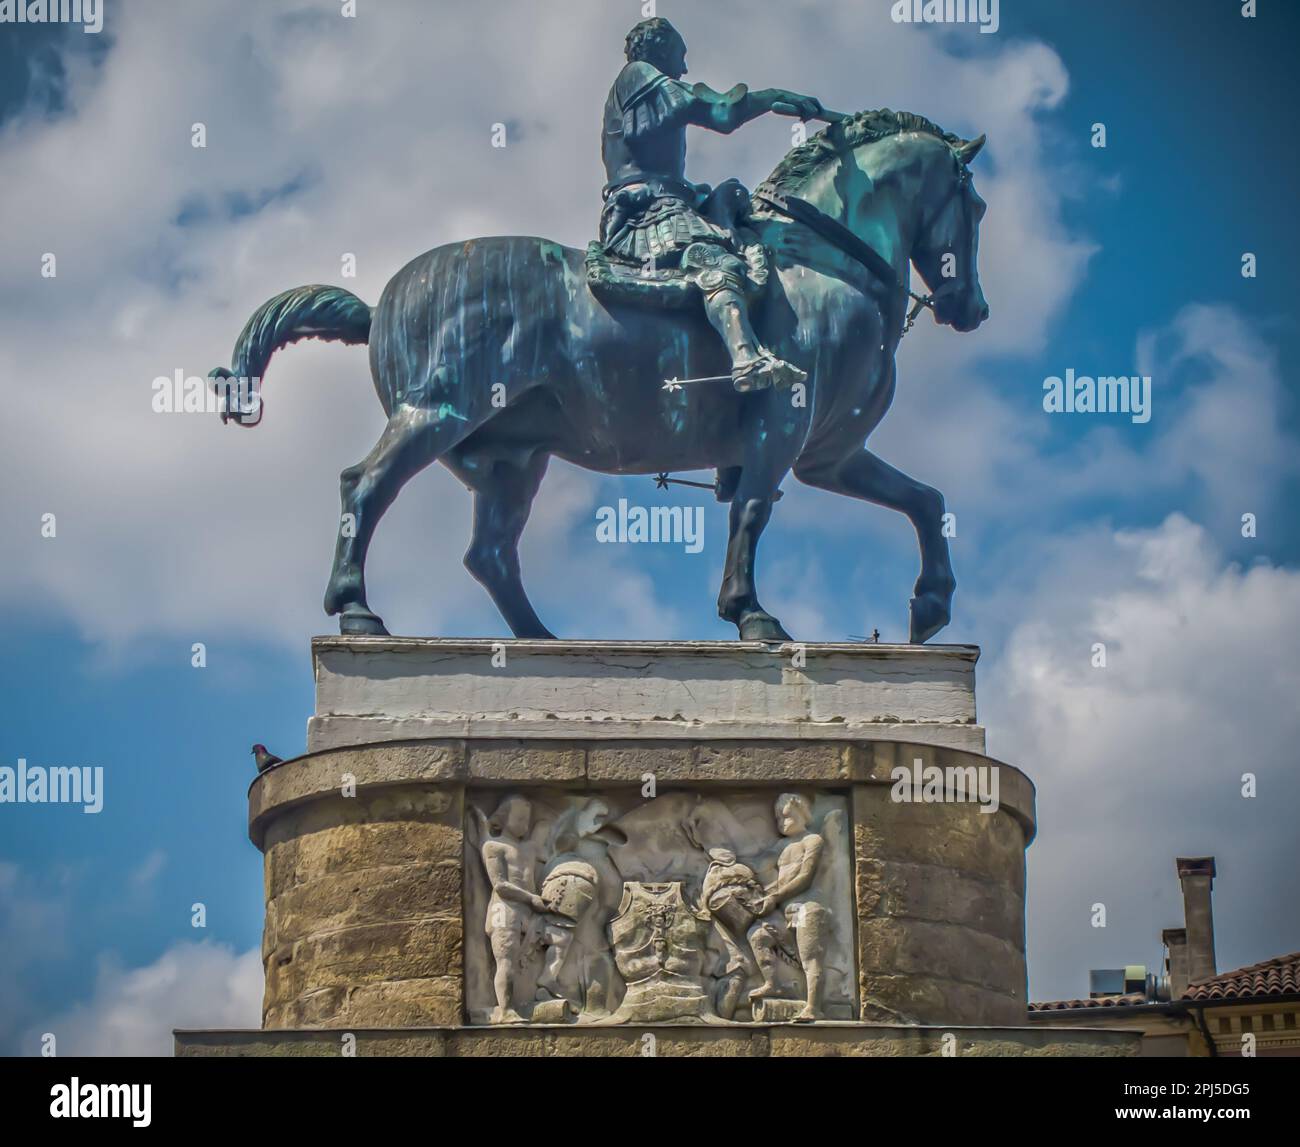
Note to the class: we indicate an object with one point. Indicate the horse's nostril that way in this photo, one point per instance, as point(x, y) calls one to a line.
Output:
point(984, 312)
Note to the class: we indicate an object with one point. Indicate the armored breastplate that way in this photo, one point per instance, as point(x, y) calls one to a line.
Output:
point(659, 948)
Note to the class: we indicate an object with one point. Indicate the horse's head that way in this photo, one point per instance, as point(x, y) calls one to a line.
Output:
point(945, 247)
point(902, 184)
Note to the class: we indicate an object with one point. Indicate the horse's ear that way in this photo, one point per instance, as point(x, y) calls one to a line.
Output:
point(971, 149)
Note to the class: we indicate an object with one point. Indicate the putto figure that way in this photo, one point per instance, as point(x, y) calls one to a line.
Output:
point(766, 924)
point(655, 217)
point(516, 915)
point(788, 911)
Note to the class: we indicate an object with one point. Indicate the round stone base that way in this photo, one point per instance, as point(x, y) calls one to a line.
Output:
point(367, 868)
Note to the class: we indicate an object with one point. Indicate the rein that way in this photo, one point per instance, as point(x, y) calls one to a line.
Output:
point(843, 240)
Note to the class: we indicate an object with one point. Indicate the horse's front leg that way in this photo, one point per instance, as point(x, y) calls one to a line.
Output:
point(766, 463)
point(863, 475)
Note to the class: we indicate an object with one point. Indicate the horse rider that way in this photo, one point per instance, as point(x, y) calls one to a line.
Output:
point(654, 216)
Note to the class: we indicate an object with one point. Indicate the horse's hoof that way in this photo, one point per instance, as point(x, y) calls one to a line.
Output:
point(761, 627)
point(354, 622)
point(930, 613)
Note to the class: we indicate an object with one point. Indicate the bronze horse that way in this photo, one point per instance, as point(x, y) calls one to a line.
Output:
point(492, 355)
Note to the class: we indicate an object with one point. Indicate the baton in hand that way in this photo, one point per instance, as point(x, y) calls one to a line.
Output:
point(828, 116)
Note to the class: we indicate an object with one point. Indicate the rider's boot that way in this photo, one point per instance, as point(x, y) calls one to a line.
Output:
point(753, 367)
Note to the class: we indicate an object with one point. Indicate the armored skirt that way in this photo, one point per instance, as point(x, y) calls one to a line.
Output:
point(637, 228)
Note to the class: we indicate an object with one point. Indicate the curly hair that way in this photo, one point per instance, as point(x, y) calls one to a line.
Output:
point(650, 38)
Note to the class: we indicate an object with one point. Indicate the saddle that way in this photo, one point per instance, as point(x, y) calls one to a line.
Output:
point(614, 279)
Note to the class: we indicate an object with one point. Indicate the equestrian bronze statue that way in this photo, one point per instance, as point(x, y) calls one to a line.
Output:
point(496, 354)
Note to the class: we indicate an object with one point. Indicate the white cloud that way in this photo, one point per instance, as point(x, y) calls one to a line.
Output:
point(1226, 432)
point(1142, 761)
point(132, 1011)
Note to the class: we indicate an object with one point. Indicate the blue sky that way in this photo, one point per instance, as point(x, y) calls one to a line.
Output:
point(370, 136)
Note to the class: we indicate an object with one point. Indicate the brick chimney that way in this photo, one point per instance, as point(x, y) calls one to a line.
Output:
point(1196, 873)
point(1175, 942)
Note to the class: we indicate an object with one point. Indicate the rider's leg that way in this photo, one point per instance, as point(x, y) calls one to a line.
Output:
point(727, 312)
point(720, 276)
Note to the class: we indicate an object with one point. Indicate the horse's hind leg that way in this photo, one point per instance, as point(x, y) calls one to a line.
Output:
point(503, 498)
point(412, 439)
point(863, 475)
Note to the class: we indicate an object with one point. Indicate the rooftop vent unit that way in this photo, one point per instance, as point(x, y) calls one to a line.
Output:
point(1132, 980)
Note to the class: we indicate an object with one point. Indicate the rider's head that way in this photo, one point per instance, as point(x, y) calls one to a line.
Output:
point(658, 43)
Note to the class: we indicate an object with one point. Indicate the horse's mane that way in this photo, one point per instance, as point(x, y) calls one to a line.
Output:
point(865, 127)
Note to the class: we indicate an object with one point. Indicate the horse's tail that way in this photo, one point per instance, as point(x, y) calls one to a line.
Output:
point(313, 312)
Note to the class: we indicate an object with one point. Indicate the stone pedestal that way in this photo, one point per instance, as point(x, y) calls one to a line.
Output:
point(689, 813)
point(371, 690)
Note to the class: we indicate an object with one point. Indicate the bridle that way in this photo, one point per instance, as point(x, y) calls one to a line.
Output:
point(958, 188)
point(840, 237)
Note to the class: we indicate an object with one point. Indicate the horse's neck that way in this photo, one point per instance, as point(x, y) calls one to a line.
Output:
point(873, 208)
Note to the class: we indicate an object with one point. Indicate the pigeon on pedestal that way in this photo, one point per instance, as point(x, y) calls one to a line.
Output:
point(264, 759)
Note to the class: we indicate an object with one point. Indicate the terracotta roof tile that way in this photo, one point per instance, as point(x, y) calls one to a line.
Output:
point(1128, 1001)
point(1279, 976)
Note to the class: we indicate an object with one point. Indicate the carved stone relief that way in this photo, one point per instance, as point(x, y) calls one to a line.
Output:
point(609, 908)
